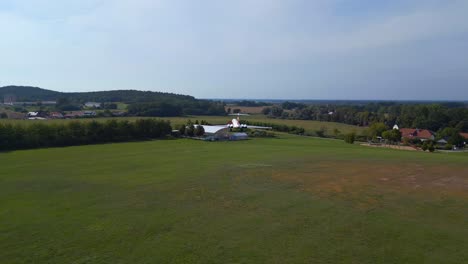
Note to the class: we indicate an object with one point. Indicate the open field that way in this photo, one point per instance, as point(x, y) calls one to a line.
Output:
point(284, 200)
point(309, 125)
point(246, 109)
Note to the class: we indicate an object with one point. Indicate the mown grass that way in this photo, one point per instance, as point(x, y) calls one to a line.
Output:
point(257, 201)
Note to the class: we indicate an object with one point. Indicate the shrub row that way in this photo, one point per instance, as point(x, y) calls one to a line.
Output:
point(278, 127)
point(40, 135)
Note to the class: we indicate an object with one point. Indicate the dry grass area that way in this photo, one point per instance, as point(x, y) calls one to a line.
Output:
point(400, 147)
point(369, 185)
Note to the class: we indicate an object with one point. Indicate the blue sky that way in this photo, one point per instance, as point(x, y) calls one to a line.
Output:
point(295, 49)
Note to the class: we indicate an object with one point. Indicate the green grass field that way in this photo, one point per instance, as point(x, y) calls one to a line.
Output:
point(282, 200)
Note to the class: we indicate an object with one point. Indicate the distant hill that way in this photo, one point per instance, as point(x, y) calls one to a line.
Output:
point(28, 94)
point(141, 103)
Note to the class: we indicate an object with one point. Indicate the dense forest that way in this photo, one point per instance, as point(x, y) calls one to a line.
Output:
point(415, 115)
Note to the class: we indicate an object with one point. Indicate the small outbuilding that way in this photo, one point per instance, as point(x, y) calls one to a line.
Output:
point(216, 132)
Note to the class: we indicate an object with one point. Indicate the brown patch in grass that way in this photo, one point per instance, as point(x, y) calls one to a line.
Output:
point(366, 185)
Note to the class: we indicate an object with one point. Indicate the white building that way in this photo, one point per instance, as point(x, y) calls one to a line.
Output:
point(93, 105)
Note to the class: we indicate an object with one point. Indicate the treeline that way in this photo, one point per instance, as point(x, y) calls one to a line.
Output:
point(141, 103)
point(277, 127)
point(177, 108)
point(39, 135)
point(424, 116)
point(249, 103)
point(33, 94)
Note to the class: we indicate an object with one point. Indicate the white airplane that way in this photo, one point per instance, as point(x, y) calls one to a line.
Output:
point(235, 123)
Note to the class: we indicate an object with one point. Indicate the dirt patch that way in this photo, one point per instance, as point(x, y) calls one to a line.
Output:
point(391, 146)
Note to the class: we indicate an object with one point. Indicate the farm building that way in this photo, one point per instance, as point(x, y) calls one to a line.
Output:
point(216, 132)
point(213, 133)
point(92, 105)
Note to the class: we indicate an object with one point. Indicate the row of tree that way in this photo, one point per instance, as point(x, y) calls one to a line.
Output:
point(277, 127)
point(40, 135)
point(177, 108)
point(414, 115)
point(192, 129)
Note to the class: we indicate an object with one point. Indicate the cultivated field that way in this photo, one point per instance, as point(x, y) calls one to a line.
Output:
point(283, 200)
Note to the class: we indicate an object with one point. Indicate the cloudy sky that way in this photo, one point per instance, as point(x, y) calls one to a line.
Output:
point(294, 49)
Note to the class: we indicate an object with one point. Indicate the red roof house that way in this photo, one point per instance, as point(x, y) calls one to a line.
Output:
point(413, 133)
point(464, 135)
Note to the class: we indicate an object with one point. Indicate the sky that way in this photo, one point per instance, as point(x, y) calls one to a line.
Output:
point(264, 49)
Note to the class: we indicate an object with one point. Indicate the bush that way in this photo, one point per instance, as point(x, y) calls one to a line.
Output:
point(448, 147)
point(199, 131)
point(349, 138)
point(321, 132)
point(277, 127)
point(431, 148)
point(336, 132)
point(406, 141)
point(190, 130)
point(260, 133)
point(425, 146)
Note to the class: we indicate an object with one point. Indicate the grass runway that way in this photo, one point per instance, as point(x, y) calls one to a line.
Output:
point(290, 199)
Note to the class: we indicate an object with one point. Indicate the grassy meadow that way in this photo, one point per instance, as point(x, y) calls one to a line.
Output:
point(289, 199)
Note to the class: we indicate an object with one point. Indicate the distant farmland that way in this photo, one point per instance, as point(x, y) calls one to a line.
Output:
point(309, 125)
point(290, 199)
point(246, 109)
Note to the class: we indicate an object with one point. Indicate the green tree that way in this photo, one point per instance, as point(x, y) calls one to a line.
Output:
point(266, 110)
point(321, 132)
point(447, 132)
point(182, 129)
point(336, 132)
point(392, 136)
point(199, 131)
point(276, 111)
point(376, 130)
point(190, 130)
point(431, 147)
point(425, 146)
point(457, 140)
